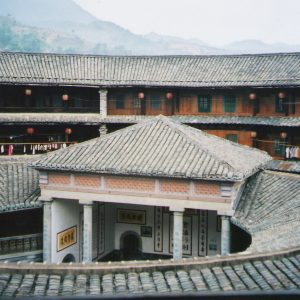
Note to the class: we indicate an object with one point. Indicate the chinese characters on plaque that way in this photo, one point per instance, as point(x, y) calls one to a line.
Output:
point(131, 216)
point(202, 232)
point(66, 238)
point(158, 229)
point(186, 235)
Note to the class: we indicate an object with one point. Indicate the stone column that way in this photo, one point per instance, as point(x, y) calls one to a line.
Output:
point(102, 130)
point(47, 229)
point(87, 232)
point(103, 103)
point(225, 235)
point(177, 234)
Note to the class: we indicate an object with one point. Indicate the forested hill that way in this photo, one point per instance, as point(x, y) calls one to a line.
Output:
point(62, 26)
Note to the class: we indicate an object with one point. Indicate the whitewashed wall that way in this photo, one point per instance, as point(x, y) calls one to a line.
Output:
point(65, 214)
point(115, 230)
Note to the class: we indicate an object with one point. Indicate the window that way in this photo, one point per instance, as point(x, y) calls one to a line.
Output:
point(204, 103)
point(229, 103)
point(232, 137)
point(120, 102)
point(279, 147)
point(155, 102)
point(279, 105)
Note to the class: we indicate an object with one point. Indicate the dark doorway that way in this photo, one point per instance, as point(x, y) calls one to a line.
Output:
point(240, 239)
point(69, 258)
point(131, 247)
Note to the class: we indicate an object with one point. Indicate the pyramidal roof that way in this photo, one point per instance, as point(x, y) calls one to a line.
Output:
point(158, 147)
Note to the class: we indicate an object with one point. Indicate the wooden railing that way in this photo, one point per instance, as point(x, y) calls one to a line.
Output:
point(32, 148)
point(21, 244)
point(49, 109)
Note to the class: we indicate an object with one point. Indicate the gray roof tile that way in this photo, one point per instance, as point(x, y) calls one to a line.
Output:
point(96, 119)
point(258, 70)
point(270, 272)
point(284, 166)
point(158, 147)
point(19, 187)
point(269, 210)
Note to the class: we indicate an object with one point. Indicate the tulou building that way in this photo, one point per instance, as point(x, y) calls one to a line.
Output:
point(157, 187)
point(133, 175)
point(49, 101)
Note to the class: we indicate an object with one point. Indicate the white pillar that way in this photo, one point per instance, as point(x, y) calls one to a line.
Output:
point(225, 235)
point(87, 232)
point(103, 103)
point(47, 229)
point(103, 130)
point(177, 234)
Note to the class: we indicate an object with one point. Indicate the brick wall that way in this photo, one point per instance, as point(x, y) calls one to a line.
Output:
point(59, 179)
point(87, 180)
point(174, 186)
point(147, 185)
point(129, 183)
point(208, 188)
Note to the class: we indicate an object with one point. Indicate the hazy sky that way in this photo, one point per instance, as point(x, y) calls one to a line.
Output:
point(213, 21)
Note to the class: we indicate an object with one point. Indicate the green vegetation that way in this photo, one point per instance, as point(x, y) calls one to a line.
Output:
point(16, 37)
point(12, 39)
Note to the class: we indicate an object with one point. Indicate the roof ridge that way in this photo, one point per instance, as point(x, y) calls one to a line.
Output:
point(151, 56)
point(186, 131)
point(183, 131)
point(223, 166)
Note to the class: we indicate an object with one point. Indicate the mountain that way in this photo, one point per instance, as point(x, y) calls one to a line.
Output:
point(15, 36)
point(41, 13)
point(256, 46)
point(62, 26)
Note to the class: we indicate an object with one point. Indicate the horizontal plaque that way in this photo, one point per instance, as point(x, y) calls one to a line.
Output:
point(66, 238)
point(131, 216)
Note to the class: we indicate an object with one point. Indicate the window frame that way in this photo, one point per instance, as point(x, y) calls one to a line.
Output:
point(279, 105)
point(155, 102)
point(229, 100)
point(279, 147)
point(206, 100)
point(120, 102)
point(235, 135)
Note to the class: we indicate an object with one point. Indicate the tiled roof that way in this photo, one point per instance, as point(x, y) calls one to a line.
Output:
point(19, 187)
point(206, 120)
point(239, 273)
point(241, 120)
point(284, 166)
point(50, 118)
point(159, 147)
point(269, 210)
point(96, 119)
point(260, 70)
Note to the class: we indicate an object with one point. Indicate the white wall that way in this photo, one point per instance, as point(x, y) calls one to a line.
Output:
point(120, 228)
point(65, 214)
point(109, 229)
point(115, 230)
point(213, 237)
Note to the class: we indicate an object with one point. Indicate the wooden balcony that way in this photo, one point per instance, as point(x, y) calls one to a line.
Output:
point(48, 109)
